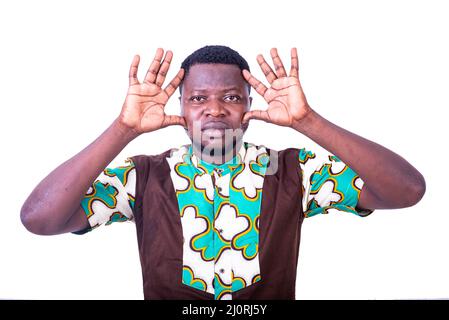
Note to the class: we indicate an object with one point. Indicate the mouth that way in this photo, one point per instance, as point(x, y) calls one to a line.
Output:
point(215, 125)
point(214, 130)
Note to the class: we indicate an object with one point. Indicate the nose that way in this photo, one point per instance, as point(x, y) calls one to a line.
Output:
point(214, 108)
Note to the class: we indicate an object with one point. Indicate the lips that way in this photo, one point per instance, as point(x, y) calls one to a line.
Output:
point(217, 125)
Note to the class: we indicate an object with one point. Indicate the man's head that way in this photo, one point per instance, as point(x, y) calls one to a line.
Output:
point(214, 96)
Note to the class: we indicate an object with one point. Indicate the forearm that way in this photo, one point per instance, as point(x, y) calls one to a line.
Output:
point(57, 197)
point(394, 181)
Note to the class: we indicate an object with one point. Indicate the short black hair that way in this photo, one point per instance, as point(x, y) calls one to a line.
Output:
point(214, 54)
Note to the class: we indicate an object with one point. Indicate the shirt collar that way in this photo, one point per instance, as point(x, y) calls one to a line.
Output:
point(220, 169)
point(249, 155)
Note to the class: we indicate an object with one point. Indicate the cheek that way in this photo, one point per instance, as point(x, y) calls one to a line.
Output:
point(187, 112)
point(191, 115)
point(238, 113)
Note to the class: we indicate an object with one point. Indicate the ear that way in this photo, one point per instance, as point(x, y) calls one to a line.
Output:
point(181, 106)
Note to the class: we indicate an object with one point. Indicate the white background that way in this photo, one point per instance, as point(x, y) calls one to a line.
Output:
point(377, 68)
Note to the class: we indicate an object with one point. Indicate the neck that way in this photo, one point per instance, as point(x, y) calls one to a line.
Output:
point(218, 155)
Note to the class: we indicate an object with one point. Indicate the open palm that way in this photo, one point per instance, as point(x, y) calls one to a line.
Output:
point(143, 110)
point(286, 100)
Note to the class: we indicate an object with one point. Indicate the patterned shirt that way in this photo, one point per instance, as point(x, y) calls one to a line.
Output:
point(219, 208)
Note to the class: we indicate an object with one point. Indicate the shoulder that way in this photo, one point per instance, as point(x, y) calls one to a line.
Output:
point(261, 148)
point(288, 153)
point(283, 162)
point(143, 159)
point(144, 163)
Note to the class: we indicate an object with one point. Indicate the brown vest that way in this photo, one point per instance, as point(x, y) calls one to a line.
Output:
point(160, 237)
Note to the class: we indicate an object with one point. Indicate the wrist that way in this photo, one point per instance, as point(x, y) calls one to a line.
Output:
point(124, 131)
point(308, 122)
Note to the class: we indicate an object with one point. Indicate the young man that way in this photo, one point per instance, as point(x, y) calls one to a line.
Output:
point(219, 219)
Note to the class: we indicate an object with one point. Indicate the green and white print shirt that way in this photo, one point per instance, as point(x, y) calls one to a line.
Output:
point(219, 208)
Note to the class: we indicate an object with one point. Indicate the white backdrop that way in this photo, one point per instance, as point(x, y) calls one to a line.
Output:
point(377, 68)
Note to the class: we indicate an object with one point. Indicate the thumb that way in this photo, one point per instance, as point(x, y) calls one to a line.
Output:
point(174, 121)
point(256, 114)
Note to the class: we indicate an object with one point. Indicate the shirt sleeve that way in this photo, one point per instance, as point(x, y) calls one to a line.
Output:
point(328, 183)
point(111, 197)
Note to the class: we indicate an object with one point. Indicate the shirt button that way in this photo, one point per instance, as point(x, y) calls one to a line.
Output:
point(219, 189)
point(221, 270)
point(220, 231)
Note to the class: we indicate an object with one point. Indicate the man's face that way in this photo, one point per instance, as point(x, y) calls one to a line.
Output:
point(213, 100)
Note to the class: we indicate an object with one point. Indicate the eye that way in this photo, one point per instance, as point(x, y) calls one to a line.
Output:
point(197, 98)
point(232, 98)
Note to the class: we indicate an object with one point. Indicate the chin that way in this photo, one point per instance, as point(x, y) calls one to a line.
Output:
point(216, 143)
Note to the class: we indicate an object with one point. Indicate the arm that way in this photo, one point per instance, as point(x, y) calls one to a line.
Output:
point(390, 181)
point(54, 205)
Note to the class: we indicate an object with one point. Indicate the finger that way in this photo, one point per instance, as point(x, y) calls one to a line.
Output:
point(164, 69)
point(256, 84)
point(278, 65)
point(266, 69)
point(154, 67)
point(256, 114)
point(294, 69)
point(133, 70)
point(170, 120)
point(171, 88)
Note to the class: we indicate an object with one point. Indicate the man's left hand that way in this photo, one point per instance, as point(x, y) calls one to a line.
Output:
point(287, 103)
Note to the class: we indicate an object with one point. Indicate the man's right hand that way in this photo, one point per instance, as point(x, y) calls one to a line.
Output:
point(47, 210)
point(143, 110)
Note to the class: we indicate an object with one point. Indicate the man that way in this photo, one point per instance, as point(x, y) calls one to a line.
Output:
point(219, 219)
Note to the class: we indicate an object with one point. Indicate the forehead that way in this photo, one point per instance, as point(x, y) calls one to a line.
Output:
point(213, 76)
